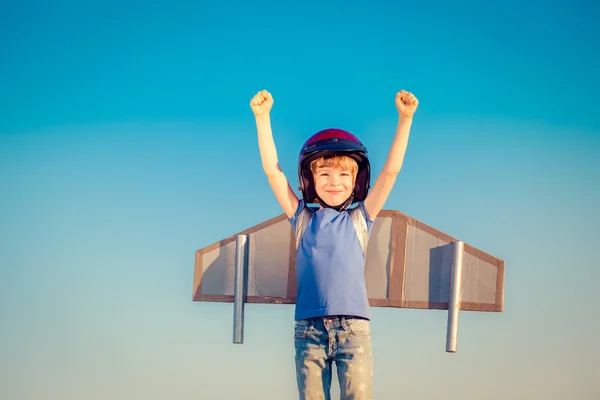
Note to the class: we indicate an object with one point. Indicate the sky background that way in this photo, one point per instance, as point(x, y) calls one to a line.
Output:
point(127, 143)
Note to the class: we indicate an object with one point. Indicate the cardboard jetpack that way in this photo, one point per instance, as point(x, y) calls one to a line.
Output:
point(408, 265)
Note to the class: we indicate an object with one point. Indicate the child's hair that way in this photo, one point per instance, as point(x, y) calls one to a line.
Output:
point(343, 162)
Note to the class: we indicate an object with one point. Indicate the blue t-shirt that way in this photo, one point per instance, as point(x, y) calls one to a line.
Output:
point(330, 262)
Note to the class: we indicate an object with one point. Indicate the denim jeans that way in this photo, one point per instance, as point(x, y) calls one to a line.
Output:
point(321, 341)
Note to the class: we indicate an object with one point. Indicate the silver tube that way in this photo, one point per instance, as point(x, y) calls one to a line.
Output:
point(454, 300)
point(241, 261)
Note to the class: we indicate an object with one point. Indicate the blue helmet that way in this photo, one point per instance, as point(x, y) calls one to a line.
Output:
point(330, 142)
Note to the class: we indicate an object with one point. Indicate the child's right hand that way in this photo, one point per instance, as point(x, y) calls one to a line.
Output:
point(261, 103)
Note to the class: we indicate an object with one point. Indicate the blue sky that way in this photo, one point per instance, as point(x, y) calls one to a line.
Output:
point(127, 143)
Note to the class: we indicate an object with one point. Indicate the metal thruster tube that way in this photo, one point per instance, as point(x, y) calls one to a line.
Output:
point(454, 300)
point(241, 261)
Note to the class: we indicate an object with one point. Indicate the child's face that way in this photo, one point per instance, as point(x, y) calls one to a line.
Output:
point(333, 184)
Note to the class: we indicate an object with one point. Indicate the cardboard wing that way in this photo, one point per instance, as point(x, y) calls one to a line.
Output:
point(409, 265)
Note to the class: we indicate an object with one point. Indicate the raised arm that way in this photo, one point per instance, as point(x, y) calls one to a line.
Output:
point(261, 105)
point(407, 104)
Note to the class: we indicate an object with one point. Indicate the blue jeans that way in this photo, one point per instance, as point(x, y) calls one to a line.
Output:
point(321, 341)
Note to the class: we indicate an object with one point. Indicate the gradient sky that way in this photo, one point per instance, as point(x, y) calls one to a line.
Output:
point(127, 143)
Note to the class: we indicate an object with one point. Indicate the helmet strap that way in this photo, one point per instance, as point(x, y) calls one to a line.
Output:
point(342, 207)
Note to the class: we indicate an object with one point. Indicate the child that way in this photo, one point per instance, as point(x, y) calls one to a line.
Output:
point(332, 320)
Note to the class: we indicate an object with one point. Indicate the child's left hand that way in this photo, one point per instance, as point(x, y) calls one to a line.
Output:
point(406, 103)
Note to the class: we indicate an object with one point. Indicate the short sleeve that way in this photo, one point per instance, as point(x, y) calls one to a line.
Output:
point(294, 218)
point(365, 214)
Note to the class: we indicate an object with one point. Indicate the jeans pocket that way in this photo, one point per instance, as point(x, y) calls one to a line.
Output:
point(301, 329)
point(359, 327)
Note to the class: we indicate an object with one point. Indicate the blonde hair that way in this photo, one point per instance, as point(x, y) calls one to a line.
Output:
point(343, 162)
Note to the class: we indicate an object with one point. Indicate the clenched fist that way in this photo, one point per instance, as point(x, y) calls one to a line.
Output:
point(261, 103)
point(406, 103)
